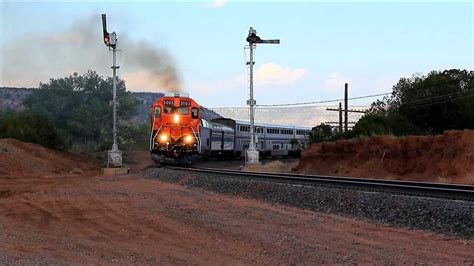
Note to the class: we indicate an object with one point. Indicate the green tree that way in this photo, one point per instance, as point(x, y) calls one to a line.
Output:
point(321, 133)
point(431, 104)
point(372, 124)
point(418, 105)
point(135, 137)
point(399, 125)
point(80, 106)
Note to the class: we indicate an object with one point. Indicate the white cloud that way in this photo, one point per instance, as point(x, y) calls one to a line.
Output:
point(235, 88)
point(217, 4)
point(275, 74)
point(335, 80)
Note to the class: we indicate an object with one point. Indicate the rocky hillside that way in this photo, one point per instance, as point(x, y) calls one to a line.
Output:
point(12, 98)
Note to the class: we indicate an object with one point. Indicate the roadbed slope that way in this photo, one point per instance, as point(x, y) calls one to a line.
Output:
point(444, 158)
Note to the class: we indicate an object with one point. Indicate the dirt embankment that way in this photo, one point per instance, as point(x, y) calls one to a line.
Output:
point(51, 216)
point(19, 158)
point(445, 158)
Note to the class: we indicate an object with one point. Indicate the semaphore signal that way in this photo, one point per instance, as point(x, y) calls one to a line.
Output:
point(110, 40)
point(251, 155)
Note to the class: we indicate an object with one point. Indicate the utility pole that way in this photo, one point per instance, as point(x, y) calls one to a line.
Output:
point(110, 40)
point(345, 106)
point(340, 117)
point(251, 155)
point(346, 111)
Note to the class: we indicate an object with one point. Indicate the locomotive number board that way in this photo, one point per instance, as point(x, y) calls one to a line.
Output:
point(185, 103)
point(168, 102)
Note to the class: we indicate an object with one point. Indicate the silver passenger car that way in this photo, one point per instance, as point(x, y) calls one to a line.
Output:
point(217, 140)
point(271, 140)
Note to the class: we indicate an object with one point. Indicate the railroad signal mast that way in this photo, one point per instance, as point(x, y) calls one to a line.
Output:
point(110, 40)
point(251, 154)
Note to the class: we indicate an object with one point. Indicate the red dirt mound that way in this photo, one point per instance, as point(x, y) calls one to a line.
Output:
point(445, 158)
point(19, 158)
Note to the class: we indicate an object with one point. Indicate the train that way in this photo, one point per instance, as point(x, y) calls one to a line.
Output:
point(180, 135)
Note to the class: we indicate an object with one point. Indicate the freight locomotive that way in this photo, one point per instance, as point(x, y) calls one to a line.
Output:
point(180, 135)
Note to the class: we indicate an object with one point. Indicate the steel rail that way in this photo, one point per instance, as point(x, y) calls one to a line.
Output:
point(427, 189)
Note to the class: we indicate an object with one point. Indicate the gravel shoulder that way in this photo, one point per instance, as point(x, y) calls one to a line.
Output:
point(449, 217)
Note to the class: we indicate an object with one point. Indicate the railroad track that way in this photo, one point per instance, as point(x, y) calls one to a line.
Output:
point(426, 189)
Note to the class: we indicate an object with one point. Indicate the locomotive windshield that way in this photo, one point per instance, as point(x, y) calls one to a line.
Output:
point(176, 110)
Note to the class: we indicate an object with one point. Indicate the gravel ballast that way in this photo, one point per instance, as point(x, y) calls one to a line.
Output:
point(450, 217)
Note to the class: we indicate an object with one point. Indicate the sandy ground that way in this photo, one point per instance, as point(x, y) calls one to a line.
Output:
point(85, 218)
point(128, 219)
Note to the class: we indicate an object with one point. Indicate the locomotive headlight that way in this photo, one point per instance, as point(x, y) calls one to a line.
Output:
point(176, 118)
point(188, 139)
point(163, 137)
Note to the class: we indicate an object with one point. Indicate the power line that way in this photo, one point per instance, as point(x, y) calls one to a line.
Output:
point(415, 102)
point(324, 101)
point(438, 101)
point(352, 98)
point(432, 98)
point(440, 98)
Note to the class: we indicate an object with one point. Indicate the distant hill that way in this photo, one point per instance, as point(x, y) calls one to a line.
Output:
point(303, 116)
point(12, 98)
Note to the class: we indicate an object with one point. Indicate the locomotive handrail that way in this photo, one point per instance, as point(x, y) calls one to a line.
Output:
point(198, 138)
point(151, 133)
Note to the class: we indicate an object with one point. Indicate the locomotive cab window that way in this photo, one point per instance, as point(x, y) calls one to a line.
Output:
point(158, 111)
point(183, 110)
point(195, 112)
point(168, 109)
point(178, 110)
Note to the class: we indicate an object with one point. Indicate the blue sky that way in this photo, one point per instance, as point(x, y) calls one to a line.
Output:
point(323, 45)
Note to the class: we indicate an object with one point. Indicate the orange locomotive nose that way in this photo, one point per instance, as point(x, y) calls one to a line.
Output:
point(176, 133)
point(176, 120)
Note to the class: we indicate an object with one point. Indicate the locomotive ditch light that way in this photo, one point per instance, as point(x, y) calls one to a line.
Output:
point(163, 137)
point(188, 139)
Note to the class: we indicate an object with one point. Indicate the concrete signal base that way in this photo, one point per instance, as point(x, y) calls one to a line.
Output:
point(251, 157)
point(115, 171)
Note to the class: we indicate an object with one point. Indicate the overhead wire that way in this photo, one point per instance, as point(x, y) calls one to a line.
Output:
point(339, 100)
point(451, 98)
point(323, 101)
point(432, 100)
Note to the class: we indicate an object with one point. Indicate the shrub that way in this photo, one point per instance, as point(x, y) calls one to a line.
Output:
point(30, 127)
